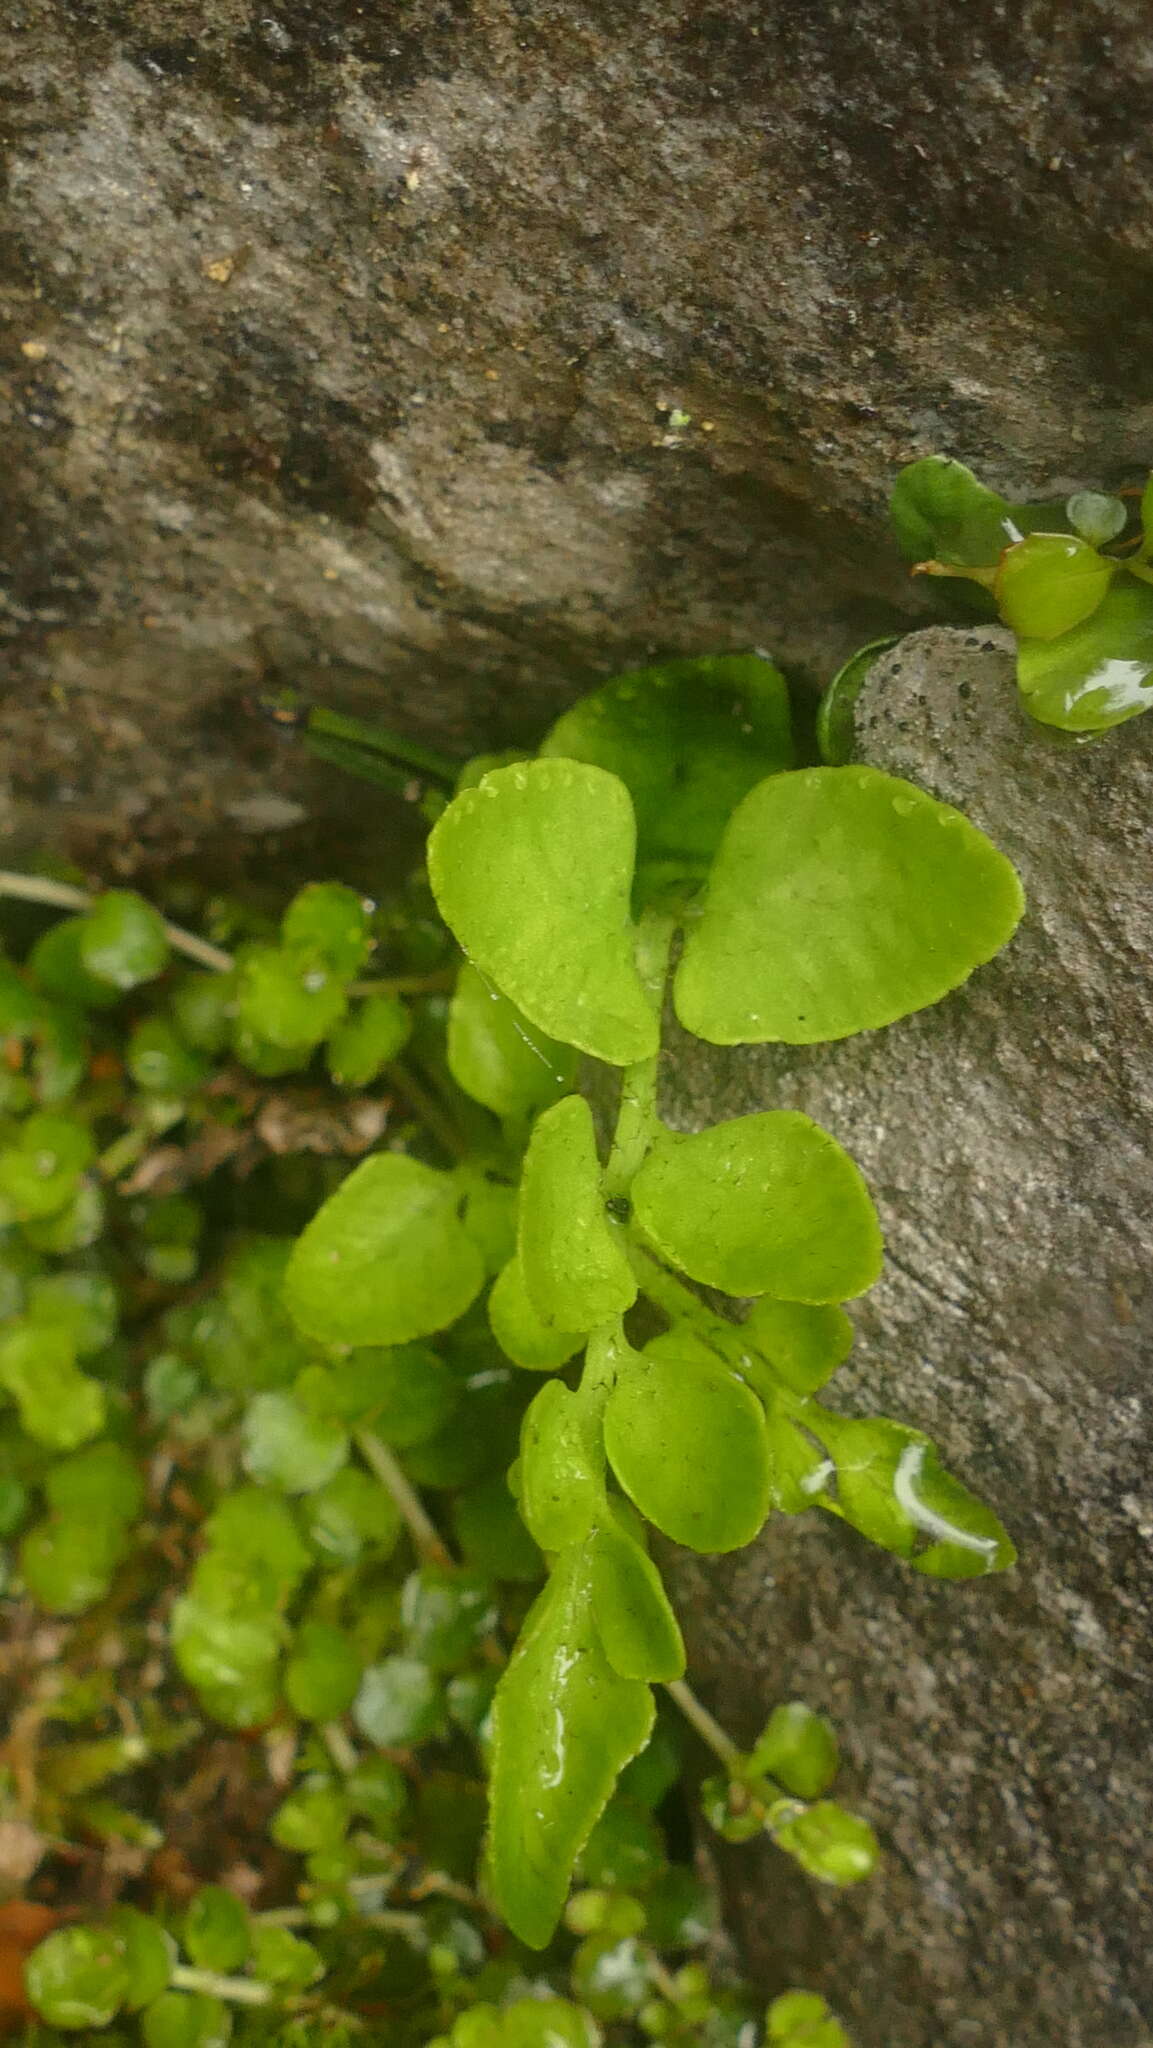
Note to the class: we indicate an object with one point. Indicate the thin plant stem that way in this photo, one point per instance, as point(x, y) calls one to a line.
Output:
point(321, 720)
point(427, 1108)
point(637, 1120)
point(240, 1990)
point(708, 1728)
point(421, 1528)
point(340, 1748)
point(406, 984)
point(64, 896)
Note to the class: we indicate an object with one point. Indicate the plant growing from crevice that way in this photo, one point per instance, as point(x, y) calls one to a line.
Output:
point(1072, 578)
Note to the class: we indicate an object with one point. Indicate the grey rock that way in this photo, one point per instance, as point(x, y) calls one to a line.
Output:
point(997, 1731)
point(450, 356)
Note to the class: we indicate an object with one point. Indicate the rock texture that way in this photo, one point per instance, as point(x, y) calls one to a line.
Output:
point(475, 347)
point(998, 1730)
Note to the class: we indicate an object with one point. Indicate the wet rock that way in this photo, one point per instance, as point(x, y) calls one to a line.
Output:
point(997, 1730)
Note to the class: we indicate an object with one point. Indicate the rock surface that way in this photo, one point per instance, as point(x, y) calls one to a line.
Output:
point(475, 347)
point(997, 1730)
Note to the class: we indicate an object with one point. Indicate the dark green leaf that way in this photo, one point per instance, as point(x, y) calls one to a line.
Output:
point(686, 1439)
point(532, 873)
point(767, 1204)
point(840, 900)
point(497, 1056)
point(492, 1535)
point(574, 1270)
point(836, 731)
point(159, 1061)
point(82, 1303)
point(102, 1481)
point(938, 508)
point(688, 740)
point(57, 962)
point(124, 941)
point(204, 1006)
point(1098, 675)
point(386, 1259)
point(564, 1726)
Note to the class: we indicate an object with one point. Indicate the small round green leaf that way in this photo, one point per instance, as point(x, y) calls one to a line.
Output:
point(252, 1527)
point(67, 1562)
point(1099, 674)
point(78, 1977)
point(446, 1614)
point(101, 1481)
point(497, 1056)
point(798, 1749)
point(1097, 518)
point(280, 1957)
point(575, 1272)
point(350, 1514)
point(386, 1259)
point(374, 1032)
point(801, 2019)
point(331, 921)
point(323, 1674)
point(204, 1006)
point(59, 1406)
point(837, 1847)
point(314, 1817)
point(287, 1000)
point(1049, 582)
point(686, 1439)
point(124, 940)
point(400, 1702)
point(767, 1204)
point(841, 899)
point(149, 1953)
point(403, 1393)
point(285, 1445)
point(217, 1929)
point(159, 1061)
point(532, 873)
point(186, 2019)
point(57, 962)
point(892, 1486)
point(378, 1789)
